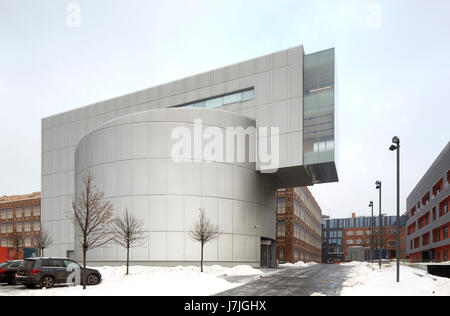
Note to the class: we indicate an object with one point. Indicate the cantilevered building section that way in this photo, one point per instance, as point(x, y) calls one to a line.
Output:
point(127, 143)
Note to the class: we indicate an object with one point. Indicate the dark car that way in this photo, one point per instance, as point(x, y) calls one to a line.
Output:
point(8, 271)
point(46, 272)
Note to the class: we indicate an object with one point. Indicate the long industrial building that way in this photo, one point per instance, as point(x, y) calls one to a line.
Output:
point(133, 145)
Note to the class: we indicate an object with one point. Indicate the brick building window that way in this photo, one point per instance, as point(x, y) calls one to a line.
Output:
point(9, 213)
point(281, 228)
point(36, 226)
point(3, 228)
point(37, 210)
point(297, 230)
point(3, 214)
point(27, 211)
point(27, 226)
point(9, 227)
point(19, 212)
point(19, 227)
point(391, 243)
point(281, 205)
point(28, 242)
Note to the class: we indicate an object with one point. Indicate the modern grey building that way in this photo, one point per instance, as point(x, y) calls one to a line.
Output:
point(128, 144)
point(429, 222)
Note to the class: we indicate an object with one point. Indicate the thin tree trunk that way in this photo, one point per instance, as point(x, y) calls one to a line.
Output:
point(84, 269)
point(201, 260)
point(128, 258)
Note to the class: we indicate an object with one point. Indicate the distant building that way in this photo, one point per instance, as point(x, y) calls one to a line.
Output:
point(20, 222)
point(298, 226)
point(427, 228)
point(339, 235)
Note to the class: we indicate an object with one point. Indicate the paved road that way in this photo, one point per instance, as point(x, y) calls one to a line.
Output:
point(325, 279)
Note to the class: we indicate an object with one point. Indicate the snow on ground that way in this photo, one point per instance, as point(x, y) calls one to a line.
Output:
point(297, 264)
point(367, 279)
point(152, 281)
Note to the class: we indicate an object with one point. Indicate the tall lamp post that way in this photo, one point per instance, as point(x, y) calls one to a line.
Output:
point(378, 186)
point(396, 146)
point(371, 234)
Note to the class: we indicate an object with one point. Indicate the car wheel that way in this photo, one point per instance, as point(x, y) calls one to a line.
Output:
point(47, 282)
point(93, 279)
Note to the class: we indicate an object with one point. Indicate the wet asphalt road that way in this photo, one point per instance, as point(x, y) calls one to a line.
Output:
point(325, 279)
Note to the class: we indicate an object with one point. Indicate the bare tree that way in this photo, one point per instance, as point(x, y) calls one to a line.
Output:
point(93, 218)
point(204, 231)
point(129, 233)
point(17, 241)
point(43, 241)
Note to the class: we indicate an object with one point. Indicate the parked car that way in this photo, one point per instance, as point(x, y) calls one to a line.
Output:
point(8, 271)
point(46, 272)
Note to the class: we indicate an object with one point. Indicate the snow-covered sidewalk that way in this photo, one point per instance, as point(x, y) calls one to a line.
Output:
point(367, 279)
point(153, 281)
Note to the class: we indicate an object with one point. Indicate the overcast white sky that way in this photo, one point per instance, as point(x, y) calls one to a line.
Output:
point(393, 69)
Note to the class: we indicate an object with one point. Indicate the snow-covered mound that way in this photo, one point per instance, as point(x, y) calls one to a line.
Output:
point(297, 264)
point(369, 280)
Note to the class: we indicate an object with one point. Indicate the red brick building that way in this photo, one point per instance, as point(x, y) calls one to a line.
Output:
point(299, 227)
point(362, 236)
point(20, 221)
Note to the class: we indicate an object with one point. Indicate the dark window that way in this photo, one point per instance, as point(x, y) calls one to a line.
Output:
point(28, 264)
point(58, 263)
point(45, 263)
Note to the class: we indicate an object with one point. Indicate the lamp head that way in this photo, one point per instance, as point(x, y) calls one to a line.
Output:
point(378, 184)
point(393, 147)
point(396, 140)
point(370, 203)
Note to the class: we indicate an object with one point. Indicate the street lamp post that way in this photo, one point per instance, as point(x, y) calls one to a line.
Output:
point(396, 141)
point(371, 234)
point(378, 186)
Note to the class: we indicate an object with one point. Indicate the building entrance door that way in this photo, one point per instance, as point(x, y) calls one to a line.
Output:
point(266, 253)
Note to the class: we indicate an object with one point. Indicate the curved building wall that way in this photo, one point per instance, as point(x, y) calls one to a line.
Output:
point(130, 158)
